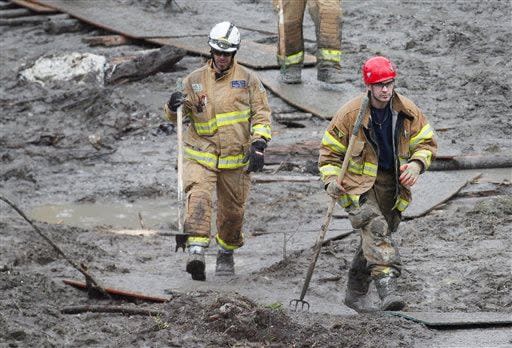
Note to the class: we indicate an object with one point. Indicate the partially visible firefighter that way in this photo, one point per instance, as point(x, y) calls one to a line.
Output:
point(396, 145)
point(229, 131)
point(326, 15)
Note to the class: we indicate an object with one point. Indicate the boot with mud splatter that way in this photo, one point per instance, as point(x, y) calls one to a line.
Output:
point(329, 72)
point(195, 262)
point(225, 263)
point(291, 74)
point(358, 285)
point(386, 287)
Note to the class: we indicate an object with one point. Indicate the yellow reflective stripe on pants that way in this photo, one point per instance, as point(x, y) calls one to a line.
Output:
point(330, 55)
point(333, 144)
point(425, 133)
point(225, 245)
point(401, 204)
point(263, 130)
point(293, 59)
point(329, 170)
point(200, 241)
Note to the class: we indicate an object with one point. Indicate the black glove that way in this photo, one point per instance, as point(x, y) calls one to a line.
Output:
point(181, 241)
point(177, 98)
point(255, 156)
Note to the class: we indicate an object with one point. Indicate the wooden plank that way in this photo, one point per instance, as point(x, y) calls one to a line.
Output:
point(106, 40)
point(34, 6)
point(318, 98)
point(252, 54)
point(457, 319)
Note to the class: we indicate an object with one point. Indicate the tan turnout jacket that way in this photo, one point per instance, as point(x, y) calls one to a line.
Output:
point(227, 114)
point(414, 140)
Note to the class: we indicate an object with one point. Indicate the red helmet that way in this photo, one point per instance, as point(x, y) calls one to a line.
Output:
point(378, 69)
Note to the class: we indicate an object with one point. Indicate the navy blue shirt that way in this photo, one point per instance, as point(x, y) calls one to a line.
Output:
point(383, 129)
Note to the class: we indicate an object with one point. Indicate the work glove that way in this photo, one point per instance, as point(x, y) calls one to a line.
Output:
point(334, 189)
point(409, 173)
point(181, 241)
point(255, 156)
point(177, 99)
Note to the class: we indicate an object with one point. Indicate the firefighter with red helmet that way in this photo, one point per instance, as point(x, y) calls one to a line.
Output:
point(395, 145)
point(230, 127)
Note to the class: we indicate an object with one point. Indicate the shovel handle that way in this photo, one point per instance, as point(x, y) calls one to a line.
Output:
point(179, 120)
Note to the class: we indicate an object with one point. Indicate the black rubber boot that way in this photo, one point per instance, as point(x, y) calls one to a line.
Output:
point(390, 301)
point(195, 263)
point(225, 264)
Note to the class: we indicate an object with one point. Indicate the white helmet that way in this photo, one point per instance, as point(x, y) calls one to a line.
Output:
point(224, 37)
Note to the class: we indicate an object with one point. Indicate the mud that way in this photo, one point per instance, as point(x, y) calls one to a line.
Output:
point(78, 142)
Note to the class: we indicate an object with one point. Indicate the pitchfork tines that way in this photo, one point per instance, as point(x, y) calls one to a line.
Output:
point(295, 303)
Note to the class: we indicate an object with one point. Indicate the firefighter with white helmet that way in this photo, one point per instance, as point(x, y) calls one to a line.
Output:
point(229, 131)
point(396, 143)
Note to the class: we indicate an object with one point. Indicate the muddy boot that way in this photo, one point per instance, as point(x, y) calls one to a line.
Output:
point(329, 72)
point(225, 264)
point(386, 287)
point(291, 74)
point(358, 285)
point(195, 262)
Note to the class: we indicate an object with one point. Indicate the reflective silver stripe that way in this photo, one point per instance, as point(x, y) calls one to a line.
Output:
point(367, 168)
point(232, 162)
point(229, 118)
point(425, 155)
point(347, 200)
point(205, 158)
point(333, 144)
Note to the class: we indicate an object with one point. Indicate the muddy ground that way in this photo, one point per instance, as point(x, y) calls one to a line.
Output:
point(454, 61)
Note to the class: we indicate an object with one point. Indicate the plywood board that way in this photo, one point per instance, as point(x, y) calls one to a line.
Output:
point(457, 319)
point(33, 6)
point(252, 54)
point(318, 98)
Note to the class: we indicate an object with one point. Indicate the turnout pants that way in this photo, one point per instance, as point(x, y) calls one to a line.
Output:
point(326, 15)
point(231, 187)
point(377, 254)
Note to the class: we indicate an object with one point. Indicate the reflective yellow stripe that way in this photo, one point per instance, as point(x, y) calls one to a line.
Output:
point(201, 241)
point(330, 55)
point(425, 155)
point(333, 144)
point(211, 160)
point(263, 130)
point(225, 245)
point(220, 120)
point(292, 59)
point(206, 128)
point(401, 204)
point(367, 168)
point(346, 200)
point(229, 118)
point(205, 158)
point(425, 133)
point(232, 162)
point(329, 170)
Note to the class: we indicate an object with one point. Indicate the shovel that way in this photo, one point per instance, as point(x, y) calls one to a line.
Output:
point(304, 305)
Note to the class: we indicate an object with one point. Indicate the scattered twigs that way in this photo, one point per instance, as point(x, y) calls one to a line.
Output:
point(94, 285)
point(141, 221)
point(338, 237)
point(110, 309)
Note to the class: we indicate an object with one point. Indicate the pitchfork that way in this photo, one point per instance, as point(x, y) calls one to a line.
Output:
point(327, 220)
